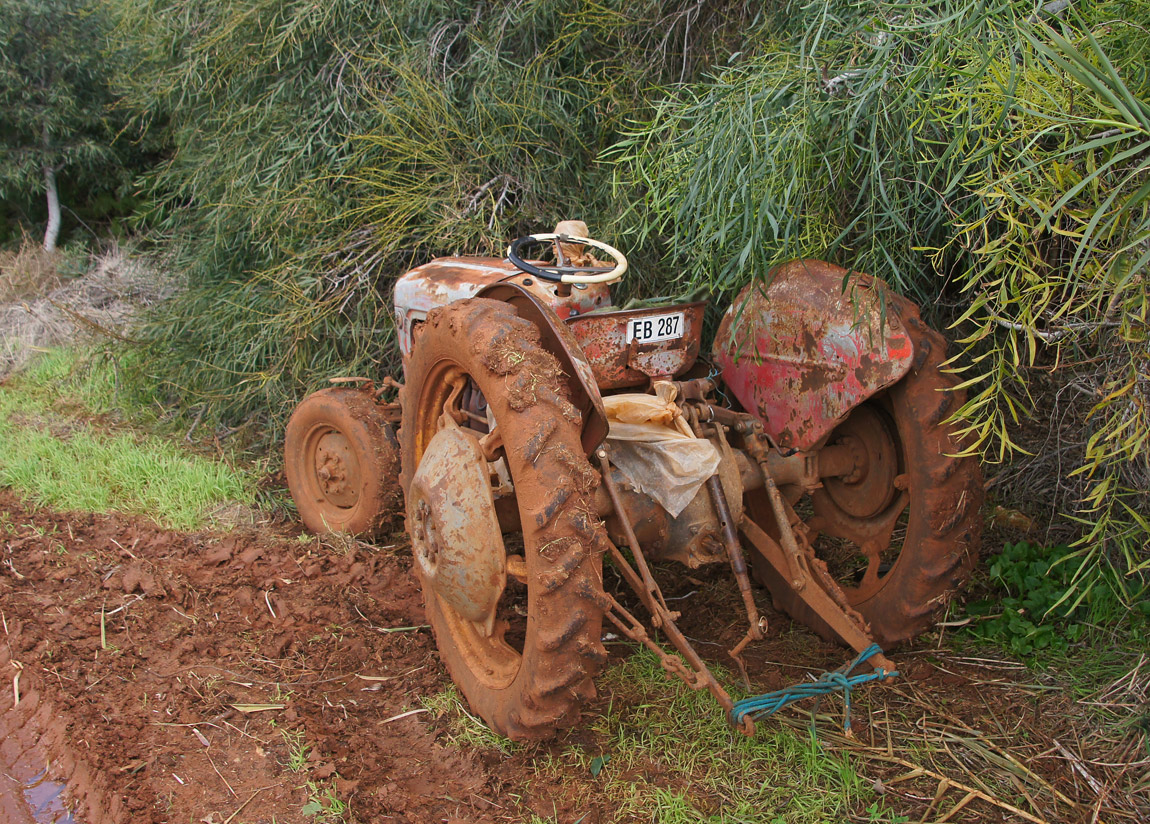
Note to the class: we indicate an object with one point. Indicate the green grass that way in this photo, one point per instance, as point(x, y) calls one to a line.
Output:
point(324, 803)
point(48, 453)
point(660, 751)
point(705, 771)
point(464, 729)
point(298, 750)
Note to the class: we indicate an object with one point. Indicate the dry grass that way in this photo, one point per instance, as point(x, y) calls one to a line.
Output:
point(1032, 753)
point(28, 271)
point(41, 310)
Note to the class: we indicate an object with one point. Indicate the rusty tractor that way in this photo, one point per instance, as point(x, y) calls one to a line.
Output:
point(541, 431)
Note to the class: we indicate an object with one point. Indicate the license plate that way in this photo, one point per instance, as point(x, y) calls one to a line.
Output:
point(654, 328)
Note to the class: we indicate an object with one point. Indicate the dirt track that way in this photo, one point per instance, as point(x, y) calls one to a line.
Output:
point(144, 717)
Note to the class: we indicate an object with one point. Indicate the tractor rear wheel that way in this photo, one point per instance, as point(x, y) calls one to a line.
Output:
point(901, 540)
point(519, 634)
point(341, 459)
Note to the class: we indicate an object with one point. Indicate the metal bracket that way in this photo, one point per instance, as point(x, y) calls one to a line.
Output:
point(795, 562)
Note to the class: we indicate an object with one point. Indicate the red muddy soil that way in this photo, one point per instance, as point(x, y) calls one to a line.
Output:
point(165, 677)
point(194, 625)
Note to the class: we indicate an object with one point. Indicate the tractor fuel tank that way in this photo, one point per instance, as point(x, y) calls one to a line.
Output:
point(810, 345)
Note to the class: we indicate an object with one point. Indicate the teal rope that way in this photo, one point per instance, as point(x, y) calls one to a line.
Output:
point(762, 705)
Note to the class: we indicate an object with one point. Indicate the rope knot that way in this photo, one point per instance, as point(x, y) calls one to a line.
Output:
point(839, 680)
point(836, 679)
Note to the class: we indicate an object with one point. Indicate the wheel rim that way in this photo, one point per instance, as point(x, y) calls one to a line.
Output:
point(862, 512)
point(330, 469)
point(492, 660)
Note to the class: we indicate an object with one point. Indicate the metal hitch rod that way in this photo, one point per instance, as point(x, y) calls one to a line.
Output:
point(649, 592)
point(734, 552)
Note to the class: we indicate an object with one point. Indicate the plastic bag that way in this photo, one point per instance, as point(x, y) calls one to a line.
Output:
point(655, 449)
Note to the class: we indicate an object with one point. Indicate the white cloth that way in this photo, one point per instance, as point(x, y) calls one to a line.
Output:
point(655, 449)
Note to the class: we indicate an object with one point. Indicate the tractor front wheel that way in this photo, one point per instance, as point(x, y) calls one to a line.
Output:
point(500, 511)
point(341, 459)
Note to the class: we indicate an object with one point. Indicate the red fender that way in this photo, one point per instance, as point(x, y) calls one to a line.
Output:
point(804, 350)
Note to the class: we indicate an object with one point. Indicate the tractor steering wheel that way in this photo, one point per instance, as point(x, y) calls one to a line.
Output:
point(563, 272)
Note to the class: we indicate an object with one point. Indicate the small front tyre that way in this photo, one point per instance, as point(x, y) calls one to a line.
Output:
point(341, 459)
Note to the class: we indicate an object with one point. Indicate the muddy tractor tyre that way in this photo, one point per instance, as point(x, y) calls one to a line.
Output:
point(341, 459)
point(530, 686)
point(942, 499)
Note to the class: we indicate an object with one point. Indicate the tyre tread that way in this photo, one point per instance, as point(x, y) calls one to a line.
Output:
point(557, 674)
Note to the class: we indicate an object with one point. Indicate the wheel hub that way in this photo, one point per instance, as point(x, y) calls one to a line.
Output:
point(870, 488)
point(455, 533)
point(336, 469)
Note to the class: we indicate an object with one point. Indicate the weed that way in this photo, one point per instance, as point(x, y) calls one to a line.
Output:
point(28, 271)
point(706, 772)
point(877, 815)
point(324, 804)
point(298, 750)
point(1034, 612)
point(339, 543)
point(39, 530)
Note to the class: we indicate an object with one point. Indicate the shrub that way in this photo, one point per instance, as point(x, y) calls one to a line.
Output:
point(1041, 608)
point(318, 150)
point(992, 166)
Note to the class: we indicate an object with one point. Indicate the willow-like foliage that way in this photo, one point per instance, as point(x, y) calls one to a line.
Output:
point(320, 149)
point(55, 122)
point(1056, 277)
point(987, 158)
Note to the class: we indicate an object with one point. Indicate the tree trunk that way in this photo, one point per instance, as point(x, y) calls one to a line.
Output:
point(53, 229)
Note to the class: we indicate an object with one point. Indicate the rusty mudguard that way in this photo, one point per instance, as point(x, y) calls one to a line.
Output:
point(808, 347)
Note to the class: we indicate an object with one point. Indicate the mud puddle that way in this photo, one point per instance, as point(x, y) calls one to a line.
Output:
point(44, 799)
point(35, 798)
point(33, 783)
